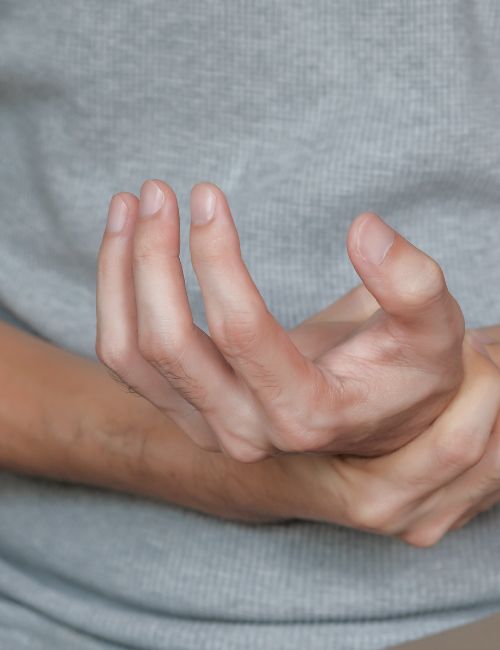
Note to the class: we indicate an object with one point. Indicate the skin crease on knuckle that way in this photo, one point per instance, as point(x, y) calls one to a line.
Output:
point(150, 247)
point(236, 442)
point(114, 358)
point(163, 348)
point(304, 426)
point(237, 332)
point(121, 382)
point(242, 451)
point(164, 352)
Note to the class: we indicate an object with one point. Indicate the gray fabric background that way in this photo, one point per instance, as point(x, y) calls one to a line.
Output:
point(305, 113)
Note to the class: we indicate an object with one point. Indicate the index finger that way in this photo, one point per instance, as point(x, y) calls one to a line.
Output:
point(286, 383)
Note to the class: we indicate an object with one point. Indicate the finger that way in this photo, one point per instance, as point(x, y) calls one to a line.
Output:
point(452, 507)
point(484, 505)
point(116, 341)
point(246, 333)
point(455, 441)
point(459, 501)
point(168, 338)
point(401, 493)
point(408, 284)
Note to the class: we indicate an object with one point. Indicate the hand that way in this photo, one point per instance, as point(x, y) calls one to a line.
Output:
point(76, 424)
point(247, 389)
point(434, 484)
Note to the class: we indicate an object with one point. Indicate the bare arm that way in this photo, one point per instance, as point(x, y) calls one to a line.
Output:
point(64, 417)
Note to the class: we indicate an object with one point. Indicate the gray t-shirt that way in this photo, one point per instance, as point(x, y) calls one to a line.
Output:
point(306, 112)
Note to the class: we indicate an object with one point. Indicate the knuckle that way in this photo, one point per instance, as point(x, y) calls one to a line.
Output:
point(142, 254)
point(214, 255)
point(113, 356)
point(161, 348)
point(305, 426)
point(237, 334)
point(369, 516)
point(292, 436)
point(459, 450)
point(301, 441)
point(166, 355)
point(242, 451)
point(190, 389)
point(372, 512)
point(100, 350)
point(422, 536)
point(221, 251)
point(117, 362)
point(148, 249)
point(202, 439)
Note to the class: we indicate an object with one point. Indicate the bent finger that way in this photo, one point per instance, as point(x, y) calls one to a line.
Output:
point(116, 339)
point(408, 284)
point(244, 330)
point(168, 337)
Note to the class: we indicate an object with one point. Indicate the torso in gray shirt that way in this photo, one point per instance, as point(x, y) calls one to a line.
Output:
point(305, 113)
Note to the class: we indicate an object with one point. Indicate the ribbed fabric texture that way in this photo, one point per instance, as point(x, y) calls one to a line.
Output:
point(306, 113)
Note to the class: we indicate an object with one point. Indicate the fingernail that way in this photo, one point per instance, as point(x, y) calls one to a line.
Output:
point(374, 239)
point(151, 199)
point(117, 215)
point(202, 204)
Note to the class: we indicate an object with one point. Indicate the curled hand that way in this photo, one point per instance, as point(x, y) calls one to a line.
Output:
point(249, 387)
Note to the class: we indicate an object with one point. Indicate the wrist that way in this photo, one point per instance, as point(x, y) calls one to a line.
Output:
point(126, 443)
point(63, 417)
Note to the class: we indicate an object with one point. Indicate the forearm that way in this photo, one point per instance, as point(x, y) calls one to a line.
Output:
point(63, 417)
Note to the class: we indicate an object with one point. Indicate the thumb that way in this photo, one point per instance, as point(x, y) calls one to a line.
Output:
point(408, 284)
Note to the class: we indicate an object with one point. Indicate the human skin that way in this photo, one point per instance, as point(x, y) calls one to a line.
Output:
point(63, 417)
point(246, 388)
point(400, 493)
